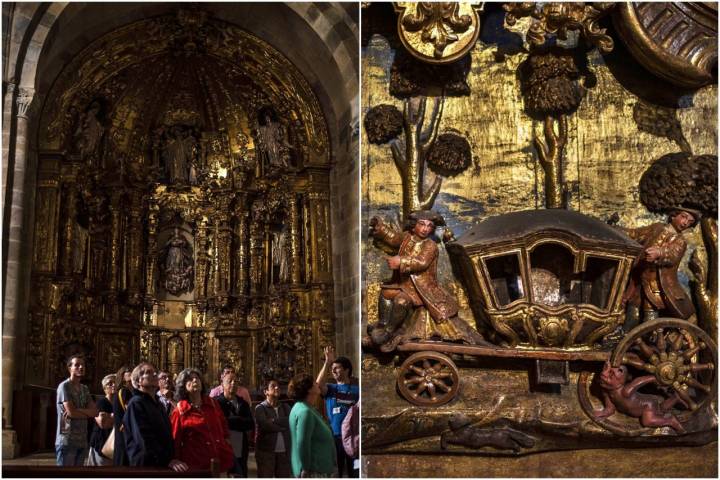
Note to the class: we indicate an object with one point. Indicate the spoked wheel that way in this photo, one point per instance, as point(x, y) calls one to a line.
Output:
point(428, 379)
point(682, 358)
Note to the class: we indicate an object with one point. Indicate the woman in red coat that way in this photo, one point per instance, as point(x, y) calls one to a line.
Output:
point(198, 424)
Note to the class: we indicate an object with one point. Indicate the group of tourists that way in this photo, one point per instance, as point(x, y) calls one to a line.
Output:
point(145, 419)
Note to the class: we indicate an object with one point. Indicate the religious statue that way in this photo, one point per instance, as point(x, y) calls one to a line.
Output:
point(280, 255)
point(80, 240)
point(654, 284)
point(413, 291)
point(179, 154)
point(176, 265)
point(273, 143)
point(175, 355)
point(89, 133)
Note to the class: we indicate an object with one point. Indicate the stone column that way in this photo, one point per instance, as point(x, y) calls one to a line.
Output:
point(7, 115)
point(13, 273)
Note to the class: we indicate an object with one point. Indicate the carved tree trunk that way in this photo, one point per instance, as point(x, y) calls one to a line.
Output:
point(550, 153)
point(705, 285)
point(411, 162)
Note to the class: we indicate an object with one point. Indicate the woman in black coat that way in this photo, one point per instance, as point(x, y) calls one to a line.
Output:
point(123, 396)
point(103, 424)
point(240, 421)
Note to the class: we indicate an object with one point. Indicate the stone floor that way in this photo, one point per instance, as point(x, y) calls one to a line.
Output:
point(48, 458)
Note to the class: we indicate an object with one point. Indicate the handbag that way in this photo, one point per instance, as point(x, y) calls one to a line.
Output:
point(108, 449)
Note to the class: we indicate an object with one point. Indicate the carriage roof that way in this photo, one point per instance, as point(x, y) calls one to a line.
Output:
point(518, 226)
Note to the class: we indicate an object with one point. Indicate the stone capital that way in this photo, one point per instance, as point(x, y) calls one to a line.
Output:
point(24, 99)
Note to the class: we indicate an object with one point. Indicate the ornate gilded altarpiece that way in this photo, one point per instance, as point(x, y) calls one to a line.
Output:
point(535, 128)
point(182, 209)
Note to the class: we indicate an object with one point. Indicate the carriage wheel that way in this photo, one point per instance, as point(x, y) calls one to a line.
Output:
point(428, 379)
point(682, 357)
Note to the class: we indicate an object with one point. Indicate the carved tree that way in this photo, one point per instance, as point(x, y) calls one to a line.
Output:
point(550, 80)
point(409, 154)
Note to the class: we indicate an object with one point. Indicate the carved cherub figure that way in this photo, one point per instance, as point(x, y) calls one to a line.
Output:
point(625, 398)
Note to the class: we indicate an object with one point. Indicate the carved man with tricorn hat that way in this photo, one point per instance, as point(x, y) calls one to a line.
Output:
point(413, 292)
point(654, 284)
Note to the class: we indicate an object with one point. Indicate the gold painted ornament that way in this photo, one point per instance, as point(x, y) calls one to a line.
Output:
point(438, 32)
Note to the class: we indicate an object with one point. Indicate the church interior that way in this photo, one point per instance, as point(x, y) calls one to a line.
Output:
point(180, 186)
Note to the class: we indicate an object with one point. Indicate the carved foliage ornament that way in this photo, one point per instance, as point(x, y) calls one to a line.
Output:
point(556, 18)
point(438, 32)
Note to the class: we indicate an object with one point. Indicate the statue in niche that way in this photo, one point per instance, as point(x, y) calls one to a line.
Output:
point(179, 154)
point(81, 237)
point(89, 133)
point(272, 140)
point(176, 265)
point(175, 355)
point(280, 258)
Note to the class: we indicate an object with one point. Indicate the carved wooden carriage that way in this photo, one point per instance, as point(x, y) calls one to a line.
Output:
point(547, 285)
point(546, 278)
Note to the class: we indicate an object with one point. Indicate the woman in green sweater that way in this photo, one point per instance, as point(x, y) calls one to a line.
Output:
point(312, 446)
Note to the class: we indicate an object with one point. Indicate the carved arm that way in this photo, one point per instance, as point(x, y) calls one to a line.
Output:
point(630, 388)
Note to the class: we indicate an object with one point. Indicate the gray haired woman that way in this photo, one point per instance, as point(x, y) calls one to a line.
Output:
point(103, 423)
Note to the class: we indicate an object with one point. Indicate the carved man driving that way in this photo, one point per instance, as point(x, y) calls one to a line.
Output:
point(413, 292)
point(654, 283)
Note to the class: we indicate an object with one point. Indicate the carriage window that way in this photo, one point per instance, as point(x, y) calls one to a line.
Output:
point(551, 275)
point(505, 278)
point(597, 281)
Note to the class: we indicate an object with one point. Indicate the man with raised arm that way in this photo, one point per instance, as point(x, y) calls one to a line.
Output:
point(339, 397)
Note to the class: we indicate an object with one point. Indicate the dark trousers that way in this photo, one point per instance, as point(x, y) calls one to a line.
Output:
point(272, 465)
point(344, 462)
point(240, 468)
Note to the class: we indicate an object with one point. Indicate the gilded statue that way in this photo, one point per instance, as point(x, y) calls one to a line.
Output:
point(413, 289)
point(273, 143)
point(179, 154)
point(654, 284)
point(175, 355)
point(176, 265)
point(89, 133)
point(280, 255)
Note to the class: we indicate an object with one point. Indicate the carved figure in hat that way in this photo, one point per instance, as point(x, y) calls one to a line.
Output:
point(413, 292)
point(654, 284)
